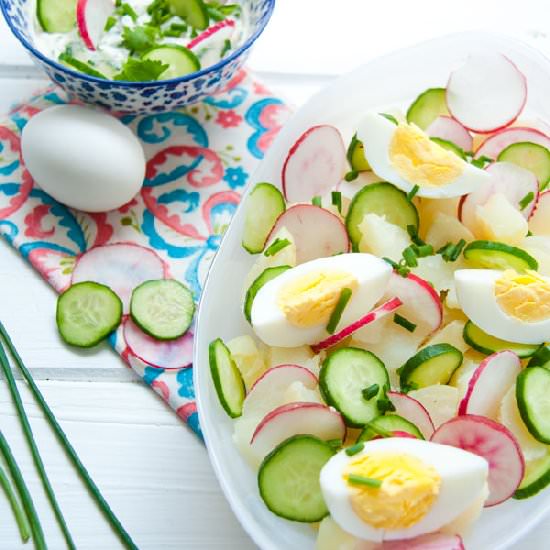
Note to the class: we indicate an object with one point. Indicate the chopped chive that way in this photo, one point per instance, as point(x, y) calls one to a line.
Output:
point(395, 265)
point(405, 323)
point(179, 27)
point(316, 201)
point(276, 246)
point(391, 118)
point(354, 449)
point(409, 256)
point(351, 175)
point(413, 234)
point(226, 47)
point(412, 193)
point(172, 33)
point(481, 161)
point(110, 23)
point(336, 197)
point(37, 458)
point(336, 314)
point(362, 480)
point(524, 203)
point(424, 250)
point(370, 392)
point(69, 450)
point(18, 512)
point(126, 9)
point(384, 405)
point(457, 250)
point(529, 234)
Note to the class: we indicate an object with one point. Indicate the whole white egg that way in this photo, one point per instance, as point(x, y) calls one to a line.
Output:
point(83, 158)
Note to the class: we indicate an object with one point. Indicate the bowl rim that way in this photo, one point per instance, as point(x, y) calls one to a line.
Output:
point(258, 536)
point(127, 83)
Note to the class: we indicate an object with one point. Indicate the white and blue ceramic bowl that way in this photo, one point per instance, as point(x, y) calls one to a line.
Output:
point(140, 97)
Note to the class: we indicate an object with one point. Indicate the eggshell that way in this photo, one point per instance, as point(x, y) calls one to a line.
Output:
point(83, 158)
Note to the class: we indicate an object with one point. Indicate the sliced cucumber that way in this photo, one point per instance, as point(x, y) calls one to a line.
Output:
point(532, 156)
point(383, 199)
point(541, 358)
point(494, 255)
point(193, 11)
point(344, 375)
point(86, 313)
point(263, 206)
point(389, 423)
point(180, 60)
point(450, 146)
point(427, 107)
point(487, 344)
point(356, 155)
point(535, 479)
point(163, 309)
point(533, 397)
point(265, 276)
point(227, 378)
point(431, 365)
point(56, 15)
point(288, 478)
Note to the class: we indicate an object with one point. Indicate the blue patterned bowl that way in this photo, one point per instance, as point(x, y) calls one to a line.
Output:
point(139, 97)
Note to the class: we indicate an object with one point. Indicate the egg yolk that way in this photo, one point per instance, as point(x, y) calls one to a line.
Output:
point(409, 488)
point(309, 300)
point(524, 296)
point(419, 160)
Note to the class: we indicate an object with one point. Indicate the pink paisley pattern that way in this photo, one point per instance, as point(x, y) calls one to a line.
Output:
point(55, 267)
point(271, 118)
point(34, 222)
point(225, 197)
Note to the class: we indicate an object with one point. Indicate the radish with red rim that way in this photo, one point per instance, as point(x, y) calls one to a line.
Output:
point(503, 93)
point(430, 541)
point(539, 222)
point(491, 380)
point(412, 410)
point(91, 16)
point(222, 30)
point(315, 164)
point(492, 441)
point(447, 128)
point(496, 143)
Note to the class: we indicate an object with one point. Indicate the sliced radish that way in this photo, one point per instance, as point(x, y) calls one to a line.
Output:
point(317, 232)
point(492, 441)
point(494, 376)
point(214, 35)
point(539, 222)
point(314, 165)
point(91, 17)
point(413, 411)
point(513, 181)
point(431, 541)
point(487, 93)
point(495, 144)
point(297, 418)
point(121, 267)
point(372, 316)
point(445, 127)
point(397, 433)
point(172, 354)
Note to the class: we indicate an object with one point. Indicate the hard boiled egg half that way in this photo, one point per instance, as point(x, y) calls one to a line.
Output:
point(405, 155)
point(505, 304)
point(294, 308)
point(416, 487)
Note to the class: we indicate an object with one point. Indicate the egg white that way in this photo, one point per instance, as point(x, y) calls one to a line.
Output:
point(475, 289)
point(463, 478)
point(376, 133)
point(273, 328)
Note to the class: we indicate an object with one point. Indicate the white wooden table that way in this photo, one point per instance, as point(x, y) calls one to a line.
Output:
point(150, 467)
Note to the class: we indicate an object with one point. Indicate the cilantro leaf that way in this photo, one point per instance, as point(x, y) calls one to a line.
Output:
point(141, 70)
point(138, 39)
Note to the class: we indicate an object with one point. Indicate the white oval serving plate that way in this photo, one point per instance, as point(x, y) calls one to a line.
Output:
point(395, 78)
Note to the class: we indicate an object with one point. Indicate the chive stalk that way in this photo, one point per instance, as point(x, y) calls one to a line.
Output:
point(362, 480)
point(336, 314)
point(18, 512)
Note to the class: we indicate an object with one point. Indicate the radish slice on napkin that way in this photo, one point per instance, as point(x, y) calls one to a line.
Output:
point(172, 354)
point(445, 127)
point(91, 17)
point(121, 267)
point(487, 93)
point(496, 143)
point(314, 165)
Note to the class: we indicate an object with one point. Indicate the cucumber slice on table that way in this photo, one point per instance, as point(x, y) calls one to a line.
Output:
point(533, 397)
point(532, 156)
point(193, 11)
point(494, 255)
point(288, 478)
point(56, 15)
point(86, 313)
point(265, 276)
point(389, 423)
point(541, 358)
point(180, 60)
point(356, 155)
point(535, 479)
point(427, 107)
point(263, 206)
point(343, 377)
point(450, 146)
point(163, 309)
point(383, 199)
point(487, 344)
point(227, 378)
point(431, 365)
